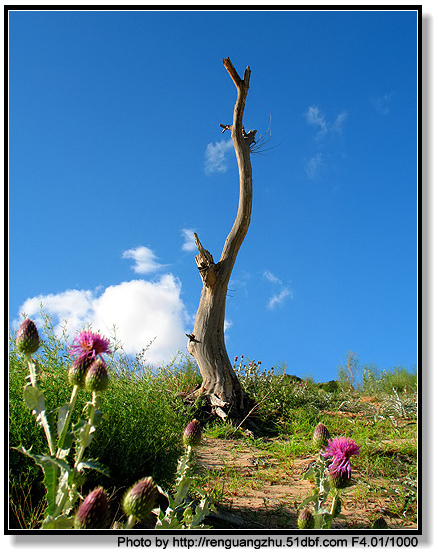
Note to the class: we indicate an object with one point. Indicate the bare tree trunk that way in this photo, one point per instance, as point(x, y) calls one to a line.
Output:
point(207, 343)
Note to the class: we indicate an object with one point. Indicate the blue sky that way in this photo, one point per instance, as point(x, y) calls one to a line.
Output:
point(116, 157)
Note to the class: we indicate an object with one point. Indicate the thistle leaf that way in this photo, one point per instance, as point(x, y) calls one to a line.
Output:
point(95, 465)
point(306, 501)
point(33, 398)
point(52, 470)
point(61, 522)
point(62, 415)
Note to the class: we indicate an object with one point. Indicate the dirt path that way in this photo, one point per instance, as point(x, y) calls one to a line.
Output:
point(257, 489)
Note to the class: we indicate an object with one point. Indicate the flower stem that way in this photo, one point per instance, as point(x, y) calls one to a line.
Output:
point(64, 430)
point(88, 427)
point(32, 369)
point(41, 416)
point(130, 522)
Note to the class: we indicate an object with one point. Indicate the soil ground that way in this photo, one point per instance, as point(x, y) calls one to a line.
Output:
point(258, 491)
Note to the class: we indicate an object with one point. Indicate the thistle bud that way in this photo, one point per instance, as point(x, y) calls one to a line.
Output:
point(139, 500)
point(78, 371)
point(192, 434)
point(96, 378)
point(305, 519)
point(321, 436)
point(93, 513)
point(27, 340)
point(339, 479)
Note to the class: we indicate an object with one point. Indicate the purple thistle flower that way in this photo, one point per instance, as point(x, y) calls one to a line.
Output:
point(341, 449)
point(89, 345)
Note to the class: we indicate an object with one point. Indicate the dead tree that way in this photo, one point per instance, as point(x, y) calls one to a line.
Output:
point(207, 343)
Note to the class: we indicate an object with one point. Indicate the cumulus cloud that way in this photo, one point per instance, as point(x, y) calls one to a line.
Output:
point(189, 240)
point(139, 311)
point(71, 306)
point(216, 156)
point(145, 260)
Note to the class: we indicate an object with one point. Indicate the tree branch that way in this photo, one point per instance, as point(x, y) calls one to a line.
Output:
point(205, 263)
point(242, 142)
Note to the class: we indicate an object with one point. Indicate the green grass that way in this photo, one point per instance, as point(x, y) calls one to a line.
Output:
point(145, 415)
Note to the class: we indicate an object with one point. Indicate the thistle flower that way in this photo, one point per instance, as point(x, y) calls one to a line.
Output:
point(340, 449)
point(305, 519)
point(27, 339)
point(139, 500)
point(321, 436)
point(89, 344)
point(192, 434)
point(78, 370)
point(96, 378)
point(93, 513)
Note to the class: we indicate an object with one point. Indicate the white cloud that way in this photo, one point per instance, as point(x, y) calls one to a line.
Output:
point(139, 311)
point(315, 117)
point(189, 240)
point(382, 104)
point(339, 122)
point(276, 299)
point(73, 306)
point(215, 156)
point(145, 260)
point(314, 165)
point(271, 277)
point(279, 298)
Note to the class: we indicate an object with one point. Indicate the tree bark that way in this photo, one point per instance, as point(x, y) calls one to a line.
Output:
point(207, 343)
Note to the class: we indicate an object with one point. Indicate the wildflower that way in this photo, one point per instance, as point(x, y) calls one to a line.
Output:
point(27, 340)
point(305, 519)
point(341, 449)
point(89, 344)
point(93, 513)
point(78, 370)
point(192, 434)
point(96, 378)
point(139, 500)
point(321, 436)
